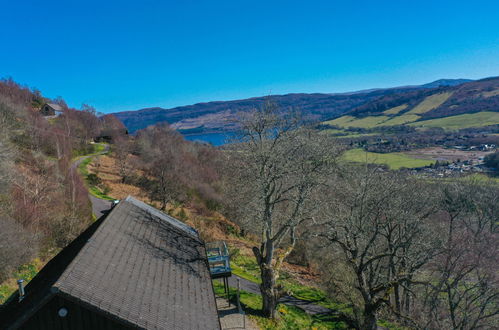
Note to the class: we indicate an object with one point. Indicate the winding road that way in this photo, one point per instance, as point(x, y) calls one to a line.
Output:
point(309, 307)
point(99, 206)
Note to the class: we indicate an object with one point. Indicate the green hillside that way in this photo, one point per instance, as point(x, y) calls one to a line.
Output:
point(367, 122)
point(431, 102)
point(342, 121)
point(400, 120)
point(395, 110)
point(478, 119)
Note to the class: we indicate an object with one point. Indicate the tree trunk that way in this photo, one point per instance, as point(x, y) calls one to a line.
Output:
point(269, 291)
point(369, 320)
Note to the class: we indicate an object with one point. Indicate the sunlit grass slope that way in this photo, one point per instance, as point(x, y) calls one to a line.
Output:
point(340, 121)
point(478, 119)
point(400, 120)
point(431, 102)
point(366, 122)
point(395, 110)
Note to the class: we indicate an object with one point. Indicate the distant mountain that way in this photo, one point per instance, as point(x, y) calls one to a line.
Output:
point(446, 82)
point(216, 117)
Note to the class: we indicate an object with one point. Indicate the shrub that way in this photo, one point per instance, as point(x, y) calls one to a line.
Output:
point(93, 179)
point(17, 246)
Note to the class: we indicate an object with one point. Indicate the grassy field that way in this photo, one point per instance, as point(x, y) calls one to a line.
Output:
point(462, 121)
point(431, 102)
point(394, 161)
point(400, 120)
point(395, 110)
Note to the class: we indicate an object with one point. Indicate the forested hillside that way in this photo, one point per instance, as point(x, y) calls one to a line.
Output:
point(478, 100)
point(216, 117)
point(43, 201)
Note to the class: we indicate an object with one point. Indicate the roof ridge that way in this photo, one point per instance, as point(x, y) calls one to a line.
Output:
point(163, 216)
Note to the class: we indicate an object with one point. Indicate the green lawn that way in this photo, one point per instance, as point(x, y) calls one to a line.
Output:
point(478, 119)
point(395, 110)
point(394, 160)
point(431, 102)
point(290, 317)
point(246, 267)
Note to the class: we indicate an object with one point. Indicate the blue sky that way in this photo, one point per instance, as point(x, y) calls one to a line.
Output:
point(126, 55)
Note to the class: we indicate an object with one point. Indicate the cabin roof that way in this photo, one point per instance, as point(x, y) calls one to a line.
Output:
point(55, 106)
point(138, 265)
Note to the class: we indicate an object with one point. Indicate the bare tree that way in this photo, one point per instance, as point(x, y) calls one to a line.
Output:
point(17, 245)
point(160, 149)
point(273, 172)
point(464, 291)
point(122, 148)
point(378, 235)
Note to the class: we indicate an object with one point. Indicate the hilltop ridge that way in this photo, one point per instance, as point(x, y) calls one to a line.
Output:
point(213, 117)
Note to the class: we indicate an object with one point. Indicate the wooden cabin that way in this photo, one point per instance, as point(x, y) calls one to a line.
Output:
point(135, 267)
point(51, 109)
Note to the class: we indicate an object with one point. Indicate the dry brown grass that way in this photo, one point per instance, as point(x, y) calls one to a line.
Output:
point(107, 170)
point(211, 227)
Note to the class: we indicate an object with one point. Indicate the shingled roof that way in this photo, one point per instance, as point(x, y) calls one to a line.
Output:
point(136, 265)
point(55, 106)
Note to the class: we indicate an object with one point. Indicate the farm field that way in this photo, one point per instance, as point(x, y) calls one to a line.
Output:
point(430, 103)
point(443, 154)
point(394, 161)
point(478, 119)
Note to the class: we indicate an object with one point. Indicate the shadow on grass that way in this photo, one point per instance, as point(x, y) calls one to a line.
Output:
point(289, 315)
